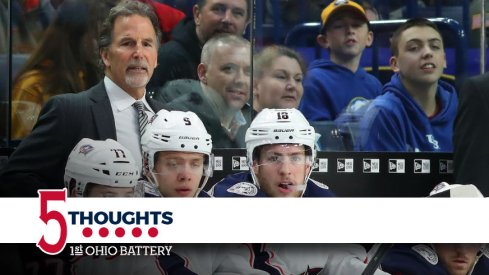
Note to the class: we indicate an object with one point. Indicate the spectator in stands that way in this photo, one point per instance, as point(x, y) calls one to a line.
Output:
point(470, 136)
point(167, 16)
point(330, 84)
point(277, 78)
point(128, 46)
point(64, 62)
point(417, 110)
point(177, 155)
point(220, 99)
point(280, 152)
point(179, 58)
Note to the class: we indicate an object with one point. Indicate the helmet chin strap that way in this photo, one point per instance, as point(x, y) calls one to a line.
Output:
point(154, 181)
point(253, 175)
point(306, 178)
point(477, 258)
point(201, 185)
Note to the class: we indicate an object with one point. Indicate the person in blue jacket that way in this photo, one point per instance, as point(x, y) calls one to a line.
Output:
point(417, 110)
point(330, 85)
point(436, 259)
point(280, 152)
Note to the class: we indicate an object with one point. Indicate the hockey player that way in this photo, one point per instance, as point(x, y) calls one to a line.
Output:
point(92, 171)
point(440, 259)
point(178, 162)
point(280, 152)
point(105, 169)
point(436, 259)
point(101, 169)
point(177, 155)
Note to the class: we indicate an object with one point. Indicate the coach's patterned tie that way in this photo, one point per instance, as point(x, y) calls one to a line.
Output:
point(142, 116)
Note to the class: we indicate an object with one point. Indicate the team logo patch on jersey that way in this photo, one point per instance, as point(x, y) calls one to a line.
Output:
point(440, 187)
point(320, 184)
point(427, 253)
point(151, 190)
point(433, 141)
point(244, 188)
point(85, 149)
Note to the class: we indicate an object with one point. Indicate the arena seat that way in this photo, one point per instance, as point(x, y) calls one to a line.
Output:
point(302, 37)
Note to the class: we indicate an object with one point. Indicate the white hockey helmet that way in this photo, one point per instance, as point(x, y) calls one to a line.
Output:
point(176, 131)
point(100, 162)
point(444, 189)
point(279, 126)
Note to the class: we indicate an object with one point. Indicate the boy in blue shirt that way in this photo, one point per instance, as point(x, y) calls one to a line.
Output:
point(416, 110)
point(330, 85)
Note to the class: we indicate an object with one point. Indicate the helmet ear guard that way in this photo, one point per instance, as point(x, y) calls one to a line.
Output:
point(209, 166)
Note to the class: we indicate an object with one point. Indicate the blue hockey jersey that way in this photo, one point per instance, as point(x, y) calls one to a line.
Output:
point(328, 88)
point(241, 185)
point(394, 121)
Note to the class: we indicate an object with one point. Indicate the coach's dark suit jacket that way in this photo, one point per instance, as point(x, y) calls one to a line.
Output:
point(40, 159)
point(471, 134)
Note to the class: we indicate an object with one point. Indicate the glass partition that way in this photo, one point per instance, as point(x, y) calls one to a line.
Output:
point(339, 106)
point(293, 24)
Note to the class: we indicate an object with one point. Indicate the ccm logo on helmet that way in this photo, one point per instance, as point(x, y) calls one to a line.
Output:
point(188, 138)
point(283, 130)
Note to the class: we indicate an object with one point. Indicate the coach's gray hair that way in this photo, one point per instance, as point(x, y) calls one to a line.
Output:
point(127, 8)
